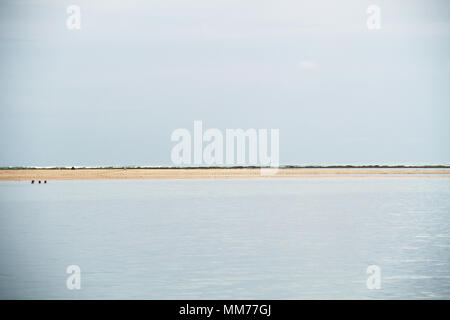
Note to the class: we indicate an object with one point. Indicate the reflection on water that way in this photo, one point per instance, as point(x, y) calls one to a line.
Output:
point(218, 239)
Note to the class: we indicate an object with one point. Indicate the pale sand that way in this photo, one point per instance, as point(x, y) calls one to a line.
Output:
point(104, 174)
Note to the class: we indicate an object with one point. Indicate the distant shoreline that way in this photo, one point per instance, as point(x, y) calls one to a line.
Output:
point(231, 167)
point(218, 173)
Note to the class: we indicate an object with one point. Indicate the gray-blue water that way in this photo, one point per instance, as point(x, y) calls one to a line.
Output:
point(219, 239)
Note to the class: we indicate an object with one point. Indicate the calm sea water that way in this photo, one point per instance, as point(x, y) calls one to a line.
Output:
point(219, 239)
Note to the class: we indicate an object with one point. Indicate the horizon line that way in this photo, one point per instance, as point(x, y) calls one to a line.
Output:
point(398, 166)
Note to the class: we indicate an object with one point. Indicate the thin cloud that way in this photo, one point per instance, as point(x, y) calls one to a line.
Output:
point(308, 64)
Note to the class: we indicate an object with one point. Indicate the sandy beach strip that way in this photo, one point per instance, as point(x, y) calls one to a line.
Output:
point(204, 173)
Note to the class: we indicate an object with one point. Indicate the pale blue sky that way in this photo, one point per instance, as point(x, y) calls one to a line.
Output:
point(113, 92)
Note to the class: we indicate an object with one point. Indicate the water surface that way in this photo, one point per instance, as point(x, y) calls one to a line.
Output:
point(222, 239)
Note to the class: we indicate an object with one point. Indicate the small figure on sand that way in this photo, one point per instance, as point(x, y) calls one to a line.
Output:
point(39, 181)
point(32, 181)
point(45, 181)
